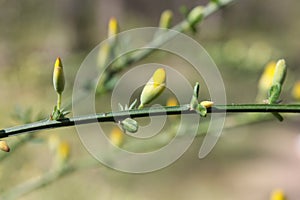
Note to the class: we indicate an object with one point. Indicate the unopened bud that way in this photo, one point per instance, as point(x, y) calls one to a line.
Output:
point(154, 87)
point(113, 27)
point(195, 15)
point(166, 19)
point(280, 72)
point(207, 104)
point(58, 76)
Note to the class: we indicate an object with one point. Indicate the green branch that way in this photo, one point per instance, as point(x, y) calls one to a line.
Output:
point(121, 115)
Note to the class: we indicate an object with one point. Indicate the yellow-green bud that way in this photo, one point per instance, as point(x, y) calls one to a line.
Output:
point(154, 87)
point(195, 15)
point(207, 104)
point(58, 76)
point(166, 19)
point(280, 72)
point(113, 27)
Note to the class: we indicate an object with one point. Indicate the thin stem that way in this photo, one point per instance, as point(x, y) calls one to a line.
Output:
point(58, 105)
point(145, 112)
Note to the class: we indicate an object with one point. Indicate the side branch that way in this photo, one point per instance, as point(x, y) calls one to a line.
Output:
point(173, 110)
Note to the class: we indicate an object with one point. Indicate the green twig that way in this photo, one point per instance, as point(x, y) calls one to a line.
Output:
point(121, 115)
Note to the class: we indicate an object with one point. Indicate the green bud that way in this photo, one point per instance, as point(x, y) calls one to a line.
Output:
point(166, 19)
point(195, 15)
point(280, 72)
point(130, 125)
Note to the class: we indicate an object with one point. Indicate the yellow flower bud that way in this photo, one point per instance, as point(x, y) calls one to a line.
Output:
point(58, 76)
point(116, 137)
point(278, 195)
point(4, 146)
point(166, 19)
point(266, 79)
point(207, 104)
point(172, 102)
point(113, 27)
point(296, 91)
point(154, 87)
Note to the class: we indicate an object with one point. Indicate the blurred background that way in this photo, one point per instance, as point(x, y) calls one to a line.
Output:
point(248, 162)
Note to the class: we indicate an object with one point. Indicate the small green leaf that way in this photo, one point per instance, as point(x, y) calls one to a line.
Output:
point(120, 107)
point(194, 101)
point(274, 93)
point(58, 114)
point(201, 110)
point(133, 105)
point(278, 116)
point(196, 90)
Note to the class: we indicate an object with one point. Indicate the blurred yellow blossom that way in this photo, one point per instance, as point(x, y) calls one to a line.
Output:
point(296, 91)
point(278, 195)
point(116, 136)
point(63, 151)
point(266, 79)
point(60, 149)
point(172, 101)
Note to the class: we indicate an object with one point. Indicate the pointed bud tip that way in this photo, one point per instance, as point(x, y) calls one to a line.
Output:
point(58, 62)
point(113, 27)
